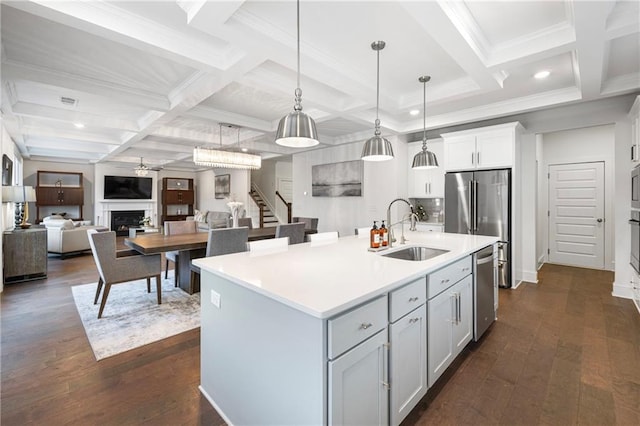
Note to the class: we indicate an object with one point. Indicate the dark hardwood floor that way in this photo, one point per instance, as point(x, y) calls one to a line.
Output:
point(563, 352)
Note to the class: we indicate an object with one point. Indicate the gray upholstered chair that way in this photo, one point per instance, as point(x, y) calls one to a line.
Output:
point(222, 241)
point(245, 221)
point(295, 232)
point(310, 222)
point(114, 269)
point(174, 227)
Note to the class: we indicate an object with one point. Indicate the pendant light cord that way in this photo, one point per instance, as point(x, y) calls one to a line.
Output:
point(378, 86)
point(298, 25)
point(424, 115)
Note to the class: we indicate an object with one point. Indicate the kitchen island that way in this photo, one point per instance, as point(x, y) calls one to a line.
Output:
point(302, 336)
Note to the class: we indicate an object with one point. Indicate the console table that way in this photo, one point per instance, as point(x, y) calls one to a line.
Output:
point(24, 255)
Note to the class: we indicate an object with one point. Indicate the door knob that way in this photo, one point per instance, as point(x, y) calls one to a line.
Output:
point(599, 220)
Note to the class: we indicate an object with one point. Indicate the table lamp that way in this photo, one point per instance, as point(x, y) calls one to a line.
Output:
point(21, 196)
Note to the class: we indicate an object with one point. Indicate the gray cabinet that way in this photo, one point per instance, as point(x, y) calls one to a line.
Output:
point(24, 254)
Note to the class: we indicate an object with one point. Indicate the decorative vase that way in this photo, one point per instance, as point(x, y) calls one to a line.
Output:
point(235, 219)
point(235, 207)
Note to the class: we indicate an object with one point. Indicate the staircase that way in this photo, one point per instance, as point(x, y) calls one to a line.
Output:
point(267, 218)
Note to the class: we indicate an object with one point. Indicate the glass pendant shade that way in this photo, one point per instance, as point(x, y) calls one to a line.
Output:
point(297, 130)
point(377, 148)
point(226, 159)
point(141, 169)
point(425, 159)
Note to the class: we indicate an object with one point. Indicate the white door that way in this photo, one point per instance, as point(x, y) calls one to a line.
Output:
point(576, 214)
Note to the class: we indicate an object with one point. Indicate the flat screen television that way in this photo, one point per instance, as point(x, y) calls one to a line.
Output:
point(128, 188)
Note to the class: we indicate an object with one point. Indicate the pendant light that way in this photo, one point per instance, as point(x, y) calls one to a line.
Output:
point(141, 169)
point(377, 148)
point(226, 159)
point(425, 159)
point(297, 129)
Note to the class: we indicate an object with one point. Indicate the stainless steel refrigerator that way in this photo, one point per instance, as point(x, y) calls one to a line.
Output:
point(479, 202)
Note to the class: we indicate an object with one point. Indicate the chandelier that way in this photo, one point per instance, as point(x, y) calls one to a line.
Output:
point(226, 159)
point(141, 169)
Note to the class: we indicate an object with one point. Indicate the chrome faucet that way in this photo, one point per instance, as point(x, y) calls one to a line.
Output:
point(391, 238)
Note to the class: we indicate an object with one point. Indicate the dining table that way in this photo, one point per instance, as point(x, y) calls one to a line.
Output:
point(189, 246)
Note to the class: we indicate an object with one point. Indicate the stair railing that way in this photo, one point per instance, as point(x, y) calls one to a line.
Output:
point(255, 188)
point(286, 204)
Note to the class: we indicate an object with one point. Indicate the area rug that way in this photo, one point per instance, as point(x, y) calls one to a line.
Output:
point(132, 317)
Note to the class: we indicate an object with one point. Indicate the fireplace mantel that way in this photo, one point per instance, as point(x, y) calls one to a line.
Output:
point(105, 207)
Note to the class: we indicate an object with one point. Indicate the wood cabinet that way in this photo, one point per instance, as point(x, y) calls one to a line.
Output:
point(426, 183)
point(634, 116)
point(484, 148)
point(59, 192)
point(178, 198)
point(24, 254)
point(450, 325)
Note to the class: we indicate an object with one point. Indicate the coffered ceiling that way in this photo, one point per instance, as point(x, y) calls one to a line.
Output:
point(153, 79)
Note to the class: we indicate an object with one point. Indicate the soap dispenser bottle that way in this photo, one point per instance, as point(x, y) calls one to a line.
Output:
point(374, 236)
point(384, 235)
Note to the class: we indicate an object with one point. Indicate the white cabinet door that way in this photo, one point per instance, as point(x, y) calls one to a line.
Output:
point(441, 311)
point(426, 183)
point(494, 149)
point(358, 390)
point(408, 369)
point(459, 152)
point(463, 325)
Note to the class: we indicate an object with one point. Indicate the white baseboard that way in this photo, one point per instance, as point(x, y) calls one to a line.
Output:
point(541, 261)
point(624, 291)
point(530, 276)
point(212, 402)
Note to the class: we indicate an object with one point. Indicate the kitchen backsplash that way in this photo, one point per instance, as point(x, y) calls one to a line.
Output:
point(429, 209)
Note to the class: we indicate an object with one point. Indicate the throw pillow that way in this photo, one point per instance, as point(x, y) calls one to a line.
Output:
point(52, 217)
point(200, 216)
point(68, 224)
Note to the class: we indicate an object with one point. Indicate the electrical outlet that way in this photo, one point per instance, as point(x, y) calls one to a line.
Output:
point(215, 299)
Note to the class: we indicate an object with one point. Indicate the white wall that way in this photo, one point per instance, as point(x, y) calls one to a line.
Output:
point(240, 181)
point(267, 181)
point(383, 181)
point(589, 144)
point(525, 261)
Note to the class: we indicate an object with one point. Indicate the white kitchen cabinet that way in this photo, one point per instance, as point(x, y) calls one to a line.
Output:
point(634, 116)
point(483, 148)
point(426, 183)
point(408, 369)
point(358, 384)
point(450, 314)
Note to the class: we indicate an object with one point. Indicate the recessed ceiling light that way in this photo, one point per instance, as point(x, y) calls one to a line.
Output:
point(79, 125)
point(542, 74)
point(414, 112)
point(244, 150)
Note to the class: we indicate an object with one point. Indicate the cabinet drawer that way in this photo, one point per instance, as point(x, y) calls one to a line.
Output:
point(351, 328)
point(444, 278)
point(407, 298)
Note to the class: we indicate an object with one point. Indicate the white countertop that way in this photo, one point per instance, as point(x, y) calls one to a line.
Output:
point(324, 280)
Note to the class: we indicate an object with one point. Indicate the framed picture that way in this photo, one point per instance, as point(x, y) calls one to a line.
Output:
point(222, 186)
point(7, 171)
point(337, 179)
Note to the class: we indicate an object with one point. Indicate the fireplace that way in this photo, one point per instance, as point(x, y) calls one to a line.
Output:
point(122, 220)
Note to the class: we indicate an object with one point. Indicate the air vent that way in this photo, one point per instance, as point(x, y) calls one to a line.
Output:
point(68, 101)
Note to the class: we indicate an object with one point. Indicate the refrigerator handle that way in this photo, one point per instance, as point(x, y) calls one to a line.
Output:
point(471, 207)
point(475, 205)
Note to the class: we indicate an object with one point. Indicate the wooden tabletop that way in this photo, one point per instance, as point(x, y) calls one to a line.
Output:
point(159, 243)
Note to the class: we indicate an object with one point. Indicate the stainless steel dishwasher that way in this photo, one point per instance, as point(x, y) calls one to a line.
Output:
point(484, 289)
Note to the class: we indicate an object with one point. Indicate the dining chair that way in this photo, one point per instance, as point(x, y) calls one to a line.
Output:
point(114, 269)
point(222, 241)
point(295, 232)
point(245, 221)
point(310, 222)
point(175, 227)
point(324, 237)
point(363, 232)
point(275, 244)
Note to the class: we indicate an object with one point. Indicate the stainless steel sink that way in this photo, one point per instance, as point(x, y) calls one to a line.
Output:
point(415, 253)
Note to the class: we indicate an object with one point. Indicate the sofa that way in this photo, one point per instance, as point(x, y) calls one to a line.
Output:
point(65, 236)
point(211, 220)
